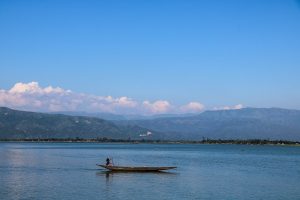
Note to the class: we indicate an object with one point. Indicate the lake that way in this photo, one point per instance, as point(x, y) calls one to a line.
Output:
point(69, 171)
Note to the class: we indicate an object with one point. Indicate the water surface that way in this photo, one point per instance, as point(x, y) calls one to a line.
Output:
point(69, 171)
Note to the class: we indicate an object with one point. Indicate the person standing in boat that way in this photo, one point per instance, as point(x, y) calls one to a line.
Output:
point(107, 161)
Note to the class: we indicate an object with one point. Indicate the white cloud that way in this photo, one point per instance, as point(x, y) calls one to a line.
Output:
point(50, 89)
point(192, 107)
point(32, 87)
point(126, 102)
point(238, 106)
point(31, 96)
point(235, 107)
point(159, 106)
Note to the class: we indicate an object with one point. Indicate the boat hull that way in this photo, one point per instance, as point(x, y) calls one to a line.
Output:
point(135, 169)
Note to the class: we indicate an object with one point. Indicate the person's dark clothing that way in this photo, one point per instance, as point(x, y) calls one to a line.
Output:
point(107, 161)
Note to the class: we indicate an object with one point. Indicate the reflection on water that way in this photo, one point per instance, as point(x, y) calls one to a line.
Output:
point(131, 183)
point(13, 182)
point(68, 171)
point(134, 173)
point(110, 174)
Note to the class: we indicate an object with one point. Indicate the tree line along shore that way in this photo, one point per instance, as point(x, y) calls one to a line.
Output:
point(203, 141)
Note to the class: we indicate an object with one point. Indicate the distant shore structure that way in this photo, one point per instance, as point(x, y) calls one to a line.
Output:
point(146, 134)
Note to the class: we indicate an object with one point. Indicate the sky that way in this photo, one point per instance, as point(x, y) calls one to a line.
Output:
point(149, 57)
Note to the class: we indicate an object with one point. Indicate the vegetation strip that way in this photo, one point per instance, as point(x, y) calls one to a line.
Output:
point(204, 141)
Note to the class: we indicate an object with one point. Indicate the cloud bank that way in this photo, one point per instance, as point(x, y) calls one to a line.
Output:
point(235, 107)
point(31, 96)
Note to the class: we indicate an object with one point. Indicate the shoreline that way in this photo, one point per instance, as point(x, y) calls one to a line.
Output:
point(129, 141)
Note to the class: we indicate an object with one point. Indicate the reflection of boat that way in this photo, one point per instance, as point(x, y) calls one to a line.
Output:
point(135, 169)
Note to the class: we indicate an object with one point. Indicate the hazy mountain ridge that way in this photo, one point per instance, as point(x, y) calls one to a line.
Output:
point(247, 123)
point(22, 124)
point(116, 117)
point(105, 116)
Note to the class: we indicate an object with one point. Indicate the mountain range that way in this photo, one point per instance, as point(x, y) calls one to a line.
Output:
point(21, 124)
point(116, 117)
point(246, 123)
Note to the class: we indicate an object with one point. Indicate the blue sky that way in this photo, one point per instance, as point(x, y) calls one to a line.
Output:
point(217, 53)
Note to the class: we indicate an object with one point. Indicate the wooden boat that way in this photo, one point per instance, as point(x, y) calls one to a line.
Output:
point(135, 169)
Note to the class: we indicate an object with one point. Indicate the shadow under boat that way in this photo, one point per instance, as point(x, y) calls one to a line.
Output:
point(108, 174)
point(126, 169)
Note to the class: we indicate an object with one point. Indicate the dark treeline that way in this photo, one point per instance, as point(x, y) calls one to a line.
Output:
point(203, 141)
point(249, 141)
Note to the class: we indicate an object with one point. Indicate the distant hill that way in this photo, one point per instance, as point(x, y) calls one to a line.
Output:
point(105, 116)
point(247, 123)
point(116, 117)
point(22, 124)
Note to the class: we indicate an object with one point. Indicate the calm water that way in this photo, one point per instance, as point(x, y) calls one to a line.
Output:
point(68, 171)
